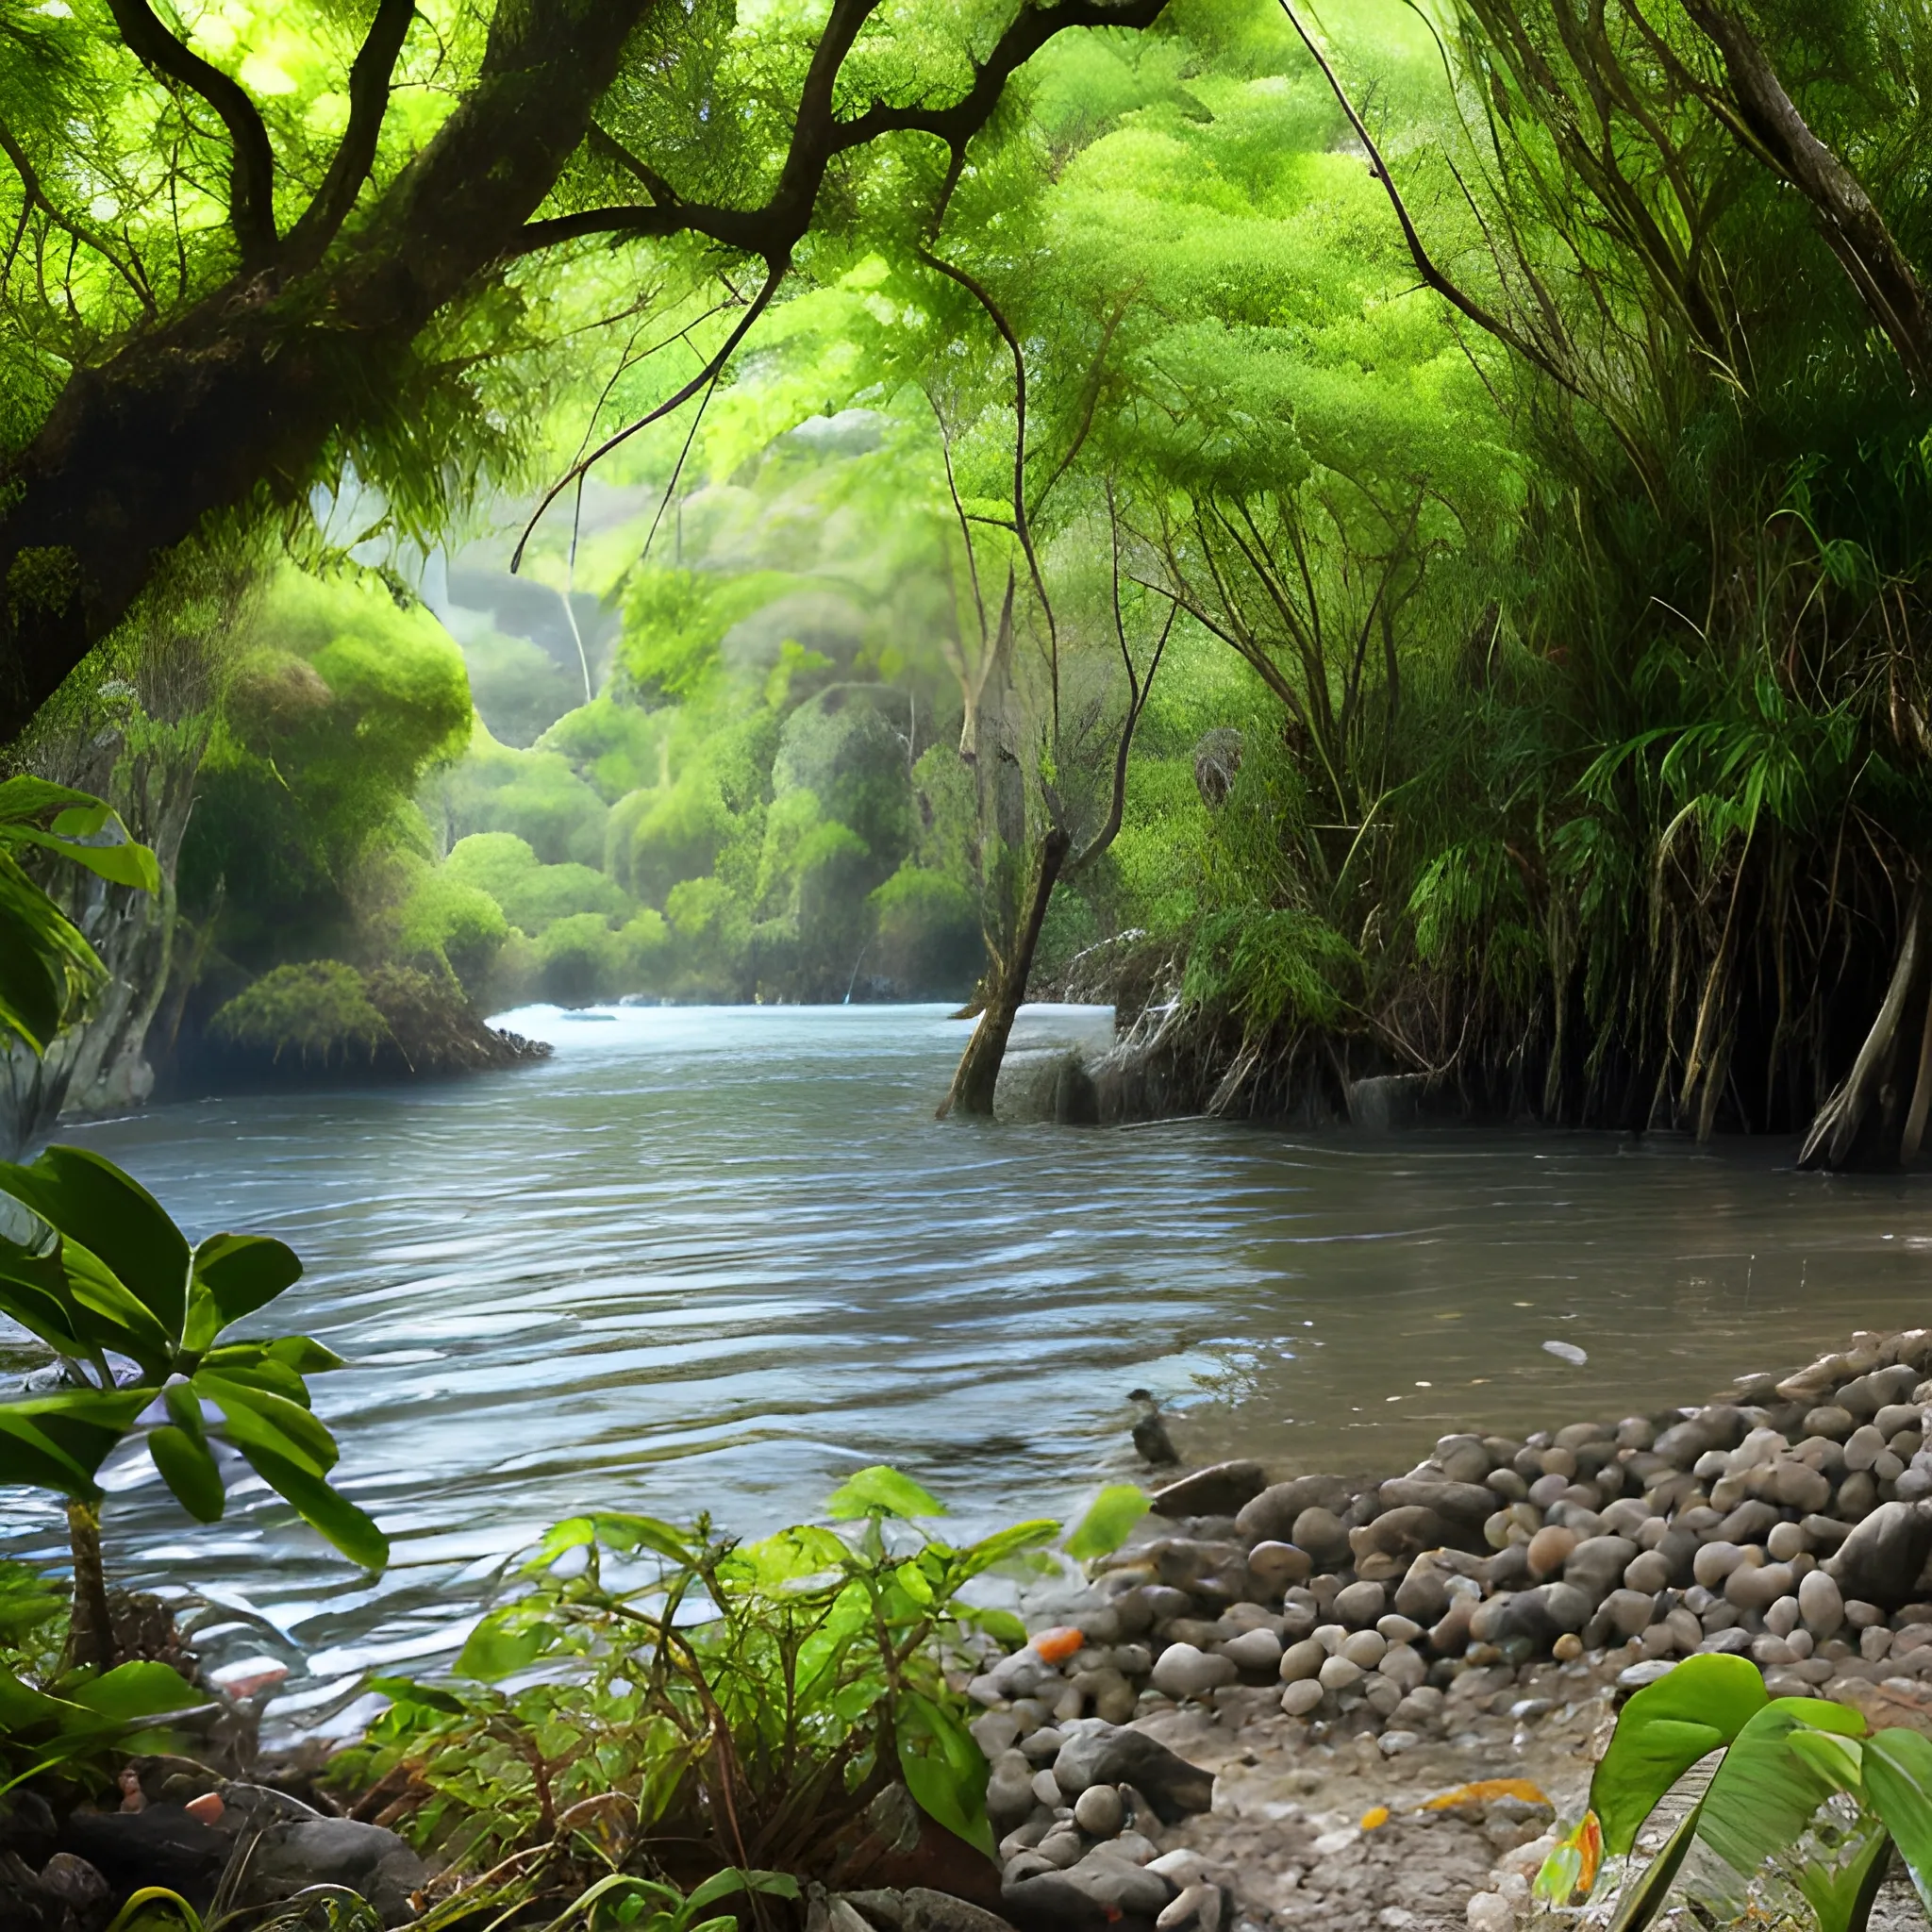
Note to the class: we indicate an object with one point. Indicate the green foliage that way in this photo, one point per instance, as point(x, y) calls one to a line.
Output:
point(47, 965)
point(319, 1012)
point(1801, 1812)
point(78, 1732)
point(784, 1685)
point(103, 1272)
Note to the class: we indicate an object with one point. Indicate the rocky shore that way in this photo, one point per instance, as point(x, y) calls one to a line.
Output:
point(1347, 1702)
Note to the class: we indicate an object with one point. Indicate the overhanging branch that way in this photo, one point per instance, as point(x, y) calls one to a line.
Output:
point(252, 175)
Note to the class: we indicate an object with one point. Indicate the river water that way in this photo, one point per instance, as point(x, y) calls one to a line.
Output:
point(716, 1259)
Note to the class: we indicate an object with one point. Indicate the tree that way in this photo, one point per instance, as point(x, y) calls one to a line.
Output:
point(253, 304)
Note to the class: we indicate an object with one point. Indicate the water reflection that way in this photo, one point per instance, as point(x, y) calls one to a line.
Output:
point(718, 1258)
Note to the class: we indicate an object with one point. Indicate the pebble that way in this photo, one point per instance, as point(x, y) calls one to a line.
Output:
point(1549, 1548)
point(1254, 1650)
point(1098, 1811)
point(1360, 1603)
point(1303, 1698)
point(1182, 1671)
point(1821, 1605)
point(1490, 1911)
point(1303, 1659)
point(1338, 1674)
point(1366, 1648)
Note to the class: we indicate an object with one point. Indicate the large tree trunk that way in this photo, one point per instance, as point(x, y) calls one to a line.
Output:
point(978, 1071)
point(245, 391)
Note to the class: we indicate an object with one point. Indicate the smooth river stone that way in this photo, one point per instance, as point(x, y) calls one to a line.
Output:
point(1277, 1566)
point(1821, 1605)
point(1182, 1671)
point(1301, 1660)
point(1360, 1603)
point(1548, 1549)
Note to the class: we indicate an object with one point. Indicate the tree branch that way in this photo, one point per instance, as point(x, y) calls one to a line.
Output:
point(1768, 119)
point(252, 176)
point(369, 88)
point(1489, 324)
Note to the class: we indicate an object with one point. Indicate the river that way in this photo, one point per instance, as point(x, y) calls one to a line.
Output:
point(716, 1259)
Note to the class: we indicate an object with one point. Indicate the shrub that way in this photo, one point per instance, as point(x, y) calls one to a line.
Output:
point(319, 1012)
point(927, 943)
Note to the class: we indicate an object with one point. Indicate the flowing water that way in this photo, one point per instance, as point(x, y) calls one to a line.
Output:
point(716, 1259)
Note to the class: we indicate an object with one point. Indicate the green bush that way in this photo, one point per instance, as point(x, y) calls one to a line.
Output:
point(676, 835)
point(457, 925)
point(535, 794)
point(615, 748)
point(318, 1012)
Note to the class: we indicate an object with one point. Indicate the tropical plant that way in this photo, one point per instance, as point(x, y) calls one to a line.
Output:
point(47, 965)
point(661, 1697)
point(76, 1731)
point(102, 1275)
point(1801, 1811)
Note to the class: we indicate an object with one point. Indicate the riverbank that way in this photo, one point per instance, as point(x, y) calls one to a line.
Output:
point(1397, 1687)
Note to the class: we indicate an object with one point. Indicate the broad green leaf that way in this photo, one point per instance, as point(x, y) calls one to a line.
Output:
point(23, 1709)
point(323, 1508)
point(137, 1690)
point(734, 1880)
point(628, 1534)
point(1840, 1894)
point(123, 863)
point(1108, 1522)
point(59, 1441)
point(1003, 1543)
point(1644, 1897)
point(1663, 1730)
point(1898, 1782)
point(34, 1291)
point(116, 1317)
point(26, 797)
point(501, 1645)
point(880, 1490)
point(1839, 1760)
point(304, 1355)
point(257, 1418)
point(111, 1215)
point(407, 1690)
point(190, 1471)
point(573, 1533)
point(943, 1769)
point(1763, 1795)
point(240, 1274)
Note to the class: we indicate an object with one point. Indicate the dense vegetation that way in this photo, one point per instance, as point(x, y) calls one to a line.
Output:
point(1397, 551)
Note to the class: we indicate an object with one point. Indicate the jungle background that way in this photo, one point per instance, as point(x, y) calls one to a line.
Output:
point(1519, 692)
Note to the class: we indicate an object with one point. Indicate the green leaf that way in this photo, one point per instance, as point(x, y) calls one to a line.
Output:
point(111, 1215)
point(628, 1534)
point(1003, 1543)
point(322, 1508)
point(190, 1471)
point(734, 1880)
point(1839, 1760)
point(259, 1418)
point(1841, 1892)
point(1644, 1899)
point(407, 1690)
point(1898, 1783)
point(1663, 1730)
point(880, 1490)
point(1108, 1522)
point(944, 1768)
point(501, 1645)
point(155, 1908)
point(137, 1690)
point(59, 1441)
point(240, 1274)
point(1763, 1794)
point(26, 797)
point(123, 863)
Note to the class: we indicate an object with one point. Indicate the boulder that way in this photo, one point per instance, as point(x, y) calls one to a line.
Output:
point(363, 1858)
point(161, 1846)
point(1221, 1490)
point(1320, 1532)
point(1881, 1560)
point(1270, 1516)
point(1466, 1504)
point(926, 1910)
point(1118, 1755)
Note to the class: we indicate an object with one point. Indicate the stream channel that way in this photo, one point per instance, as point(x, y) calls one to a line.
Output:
point(715, 1259)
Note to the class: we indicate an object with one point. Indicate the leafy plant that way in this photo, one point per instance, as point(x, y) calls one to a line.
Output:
point(41, 1732)
point(47, 965)
point(103, 1274)
point(1804, 1793)
point(663, 1698)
